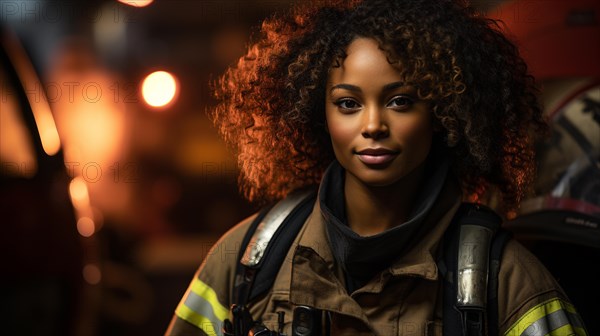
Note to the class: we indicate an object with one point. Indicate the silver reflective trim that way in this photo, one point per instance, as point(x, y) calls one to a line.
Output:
point(473, 254)
point(265, 230)
point(551, 322)
point(202, 307)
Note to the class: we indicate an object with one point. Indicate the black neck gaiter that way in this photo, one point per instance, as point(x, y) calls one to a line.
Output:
point(362, 258)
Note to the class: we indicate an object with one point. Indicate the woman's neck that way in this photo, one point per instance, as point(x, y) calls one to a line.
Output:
point(371, 210)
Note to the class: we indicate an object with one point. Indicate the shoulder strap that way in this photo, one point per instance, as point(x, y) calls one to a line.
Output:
point(498, 244)
point(241, 286)
point(266, 244)
point(465, 267)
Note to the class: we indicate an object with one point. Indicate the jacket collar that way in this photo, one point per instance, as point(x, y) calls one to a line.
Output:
point(363, 257)
point(317, 281)
point(315, 277)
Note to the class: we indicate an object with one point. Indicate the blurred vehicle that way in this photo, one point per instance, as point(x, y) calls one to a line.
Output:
point(567, 207)
point(561, 224)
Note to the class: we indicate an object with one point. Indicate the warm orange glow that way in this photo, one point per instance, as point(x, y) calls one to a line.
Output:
point(85, 226)
point(93, 122)
point(136, 3)
point(159, 88)
point(91, 274)
point(36, 97)
point(47, 129)
point(92, 129)
point(79, 193)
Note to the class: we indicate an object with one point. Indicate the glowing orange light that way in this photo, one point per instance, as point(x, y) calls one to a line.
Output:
point(85, 226)
point(48, 132)
point(159, 88)
point(136, 3)
point(38, 101)
point(79, 192)
point(91, 274)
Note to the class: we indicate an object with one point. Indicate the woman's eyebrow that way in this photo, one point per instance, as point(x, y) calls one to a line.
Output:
point(350, 87)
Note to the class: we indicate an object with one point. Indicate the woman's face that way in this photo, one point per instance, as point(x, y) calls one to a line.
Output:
point(379, 129)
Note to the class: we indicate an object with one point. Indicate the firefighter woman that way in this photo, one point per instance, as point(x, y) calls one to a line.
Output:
point(396, 112)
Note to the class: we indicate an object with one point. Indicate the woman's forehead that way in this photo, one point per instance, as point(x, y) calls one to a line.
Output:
point(364, 61)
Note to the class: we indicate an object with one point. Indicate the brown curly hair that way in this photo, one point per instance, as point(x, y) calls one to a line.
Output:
point(272, 103)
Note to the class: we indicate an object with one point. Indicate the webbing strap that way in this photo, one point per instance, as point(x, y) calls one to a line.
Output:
point(500, 240)
point(469, 320)
point(269, 237)
point(264, 237)
point(241, 287)
point(452, 318)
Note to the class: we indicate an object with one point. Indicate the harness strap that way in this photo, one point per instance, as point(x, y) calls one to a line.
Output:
point(267, 242)
point(498, 245)
point(465, 267)
point(243, 281)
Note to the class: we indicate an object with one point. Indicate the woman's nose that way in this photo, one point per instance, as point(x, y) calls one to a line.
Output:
point(374, 124)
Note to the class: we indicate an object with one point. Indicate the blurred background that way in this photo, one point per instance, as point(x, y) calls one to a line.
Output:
point(114, 184)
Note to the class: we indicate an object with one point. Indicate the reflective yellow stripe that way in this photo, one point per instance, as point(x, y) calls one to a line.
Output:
point(201, 307)
point(200, 321)
point(207, 293)
point(554, 310)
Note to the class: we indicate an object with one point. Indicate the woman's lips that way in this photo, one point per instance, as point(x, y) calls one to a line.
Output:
point(376, 156)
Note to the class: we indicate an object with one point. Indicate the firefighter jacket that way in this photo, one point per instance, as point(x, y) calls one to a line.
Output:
point(402, 299)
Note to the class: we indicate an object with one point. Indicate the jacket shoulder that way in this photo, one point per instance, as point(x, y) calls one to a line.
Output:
point(527, 292)
point(205, 304)
point(224, 253)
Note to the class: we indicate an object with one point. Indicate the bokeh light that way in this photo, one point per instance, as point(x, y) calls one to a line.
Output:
point(136, 3)
point(79, 193)
point(159, 88)
point(91, 274)
point(85, 226)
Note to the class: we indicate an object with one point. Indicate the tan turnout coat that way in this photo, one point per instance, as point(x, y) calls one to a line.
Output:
point(404, 299)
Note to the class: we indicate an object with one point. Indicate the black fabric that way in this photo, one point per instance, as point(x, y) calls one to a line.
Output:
point(363, 257)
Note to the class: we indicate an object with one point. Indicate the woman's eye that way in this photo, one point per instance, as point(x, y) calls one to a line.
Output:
point(347, 104)
point(401, 102)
